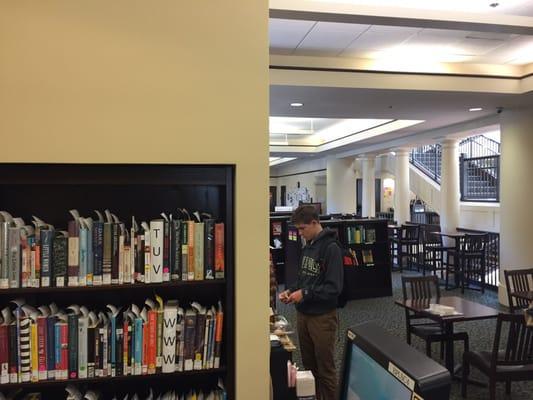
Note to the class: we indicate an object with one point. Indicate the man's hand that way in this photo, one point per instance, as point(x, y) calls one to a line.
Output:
point(296, 296)
point(284, 296)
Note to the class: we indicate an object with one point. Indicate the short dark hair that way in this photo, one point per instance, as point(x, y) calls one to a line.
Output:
point(304, 215)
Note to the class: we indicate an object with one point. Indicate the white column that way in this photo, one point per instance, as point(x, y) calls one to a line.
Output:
point(450, 197)
point(369, 186)
point(401, 187)
point(516, 192)
point(340, 187)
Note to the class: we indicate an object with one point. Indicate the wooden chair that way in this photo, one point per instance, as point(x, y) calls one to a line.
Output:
point(426, 288)
point(406, 244)
point(518, 280)
point(513, 363)
point(469, 261)
point(433, 252)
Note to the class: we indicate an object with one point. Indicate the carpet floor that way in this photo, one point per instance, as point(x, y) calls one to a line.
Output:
point(384, 312)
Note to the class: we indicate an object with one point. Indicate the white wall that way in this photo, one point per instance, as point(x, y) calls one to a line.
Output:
point(309, 174)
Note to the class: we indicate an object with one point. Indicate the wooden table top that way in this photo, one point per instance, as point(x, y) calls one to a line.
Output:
point(468, 310)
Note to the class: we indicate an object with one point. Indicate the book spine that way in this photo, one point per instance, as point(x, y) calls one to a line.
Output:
point(34, 345)
point(208, 318)
point(73, 253)
point(83, 347)
point(188, 349)
point(175, 273)
point(91, 351)
point(13, 354)
point(104, 354)
point(152, 341)
point(98, 252)
point(171, 249)
point(199, 336)
point(113, 345)
point(73, 330)
point(47, 240)
point(184, 251)
point(83, 256)
point(25, 252)
point(127, 274)
point(139, 258)
point(35, 262)
point(126, 357)
point(119, 351)
point(180, 333)
point(60, 260)
point(25, 349)
point(166, 252)
point(190, 242)
point(90, 256)
point(199, 231)
point(98, 351)
point(64, 350)
point(219, 251)
point(4, 255)
point(41, 348)
point(138, 351)
point(108, 253)
point(211, 349)
point(4, 354)
point(50, 348)
point(115, 267)
point(209, 249)
point(121, 255)
point(218, 338)
point(14, 257)
point(169, 339)
point(157, 228)
point(159, 338)
point(147, 257)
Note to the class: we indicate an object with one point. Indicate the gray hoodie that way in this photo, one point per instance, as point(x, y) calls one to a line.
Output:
point(321, 285)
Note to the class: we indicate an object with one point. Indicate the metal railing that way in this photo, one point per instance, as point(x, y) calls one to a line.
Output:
point(428, 160)
point(492, 257)
point(480, 178)
point(479, 146)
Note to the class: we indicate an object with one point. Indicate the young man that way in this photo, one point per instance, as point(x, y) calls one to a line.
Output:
point(315, 296)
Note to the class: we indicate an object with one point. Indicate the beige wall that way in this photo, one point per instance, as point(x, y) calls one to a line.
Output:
point(151, 82)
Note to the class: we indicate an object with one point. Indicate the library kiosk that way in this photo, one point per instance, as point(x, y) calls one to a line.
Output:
point(379, 366)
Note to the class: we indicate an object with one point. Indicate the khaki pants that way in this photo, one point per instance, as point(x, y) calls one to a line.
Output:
point(317, 335)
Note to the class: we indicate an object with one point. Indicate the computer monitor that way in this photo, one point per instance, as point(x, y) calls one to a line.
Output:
point(379, 366)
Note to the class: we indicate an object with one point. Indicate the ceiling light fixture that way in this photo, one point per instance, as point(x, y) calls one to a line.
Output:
point(297, 104)
point(475, 109)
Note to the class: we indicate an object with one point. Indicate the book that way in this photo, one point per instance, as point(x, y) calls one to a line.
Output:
point(60, 258)
point(218, 335)
point(115, 253)
point(170, 319)
point(14, 256)
point(157, 228)
point(167, 248)
point(107, 253)
point(72, 346)
point(191, 253)
point(147, 252)
point(180, 332)
point(189, 336)
point(98, 252)
point(184, 251)
point(368, 258)
point(175, 263)
point(199, 232)
point(219, 250)
point(83, 254)
point(47, 256)
point(199, 335)
point(73, 251)
point(5, 222)
point(370, 235)
point(209, 248)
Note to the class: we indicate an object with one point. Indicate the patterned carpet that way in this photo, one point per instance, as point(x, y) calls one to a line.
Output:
point(384, 312)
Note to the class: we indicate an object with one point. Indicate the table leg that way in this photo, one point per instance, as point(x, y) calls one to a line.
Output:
point(448, 350)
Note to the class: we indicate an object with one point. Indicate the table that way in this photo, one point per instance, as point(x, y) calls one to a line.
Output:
point(469, 310)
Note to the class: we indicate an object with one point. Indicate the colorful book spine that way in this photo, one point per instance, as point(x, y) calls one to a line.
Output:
point(157, 231)
point(219, 251)
point(73, 253)
point(83, 256)
point(108, 253)
point(98, 252)
point(60, 260)
point(184, 251)
point(191, 244)
point(4, 354)
point(175, 263)
point(41, 346)
point(47, 241)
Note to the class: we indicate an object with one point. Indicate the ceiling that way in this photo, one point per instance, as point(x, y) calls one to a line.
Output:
point(478, 45)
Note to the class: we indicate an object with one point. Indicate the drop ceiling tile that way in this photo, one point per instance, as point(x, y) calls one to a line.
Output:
point(330, 38)
point(379, 37)
point(286, 34)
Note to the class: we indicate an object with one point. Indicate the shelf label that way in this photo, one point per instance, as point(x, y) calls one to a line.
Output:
point(401, 376)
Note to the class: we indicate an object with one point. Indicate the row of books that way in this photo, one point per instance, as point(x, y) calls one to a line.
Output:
point(48, 343)
point(103, 251)
point(359, 234)
point(75, 393)
point(363, 258)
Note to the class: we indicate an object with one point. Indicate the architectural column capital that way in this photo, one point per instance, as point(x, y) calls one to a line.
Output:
point(367, 157)
point(402, 151)
point(449, 143)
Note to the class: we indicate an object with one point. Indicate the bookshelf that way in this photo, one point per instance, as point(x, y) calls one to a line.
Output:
point(370, 279)
point(50, 190)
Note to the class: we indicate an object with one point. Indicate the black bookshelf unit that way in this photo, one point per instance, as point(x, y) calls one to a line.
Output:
point(143, 190)
point(369, 279)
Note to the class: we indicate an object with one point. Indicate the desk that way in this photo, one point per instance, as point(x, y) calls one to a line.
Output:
point(469, 310)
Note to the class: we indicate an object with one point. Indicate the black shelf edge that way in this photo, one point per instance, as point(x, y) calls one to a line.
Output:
point(103, 288)
point(111, 380)
point(380, 243)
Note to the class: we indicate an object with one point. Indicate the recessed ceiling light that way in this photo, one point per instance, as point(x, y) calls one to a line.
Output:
point(297, 104)
point(475, 109)
point(494, 5)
